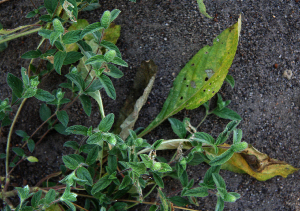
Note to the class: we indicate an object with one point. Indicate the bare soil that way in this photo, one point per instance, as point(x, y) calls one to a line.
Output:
point(170, 32)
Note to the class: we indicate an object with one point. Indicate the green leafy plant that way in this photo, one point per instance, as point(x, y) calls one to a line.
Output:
point(111, 170)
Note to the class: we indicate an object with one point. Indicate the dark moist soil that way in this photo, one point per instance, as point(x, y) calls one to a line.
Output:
point(170, 33)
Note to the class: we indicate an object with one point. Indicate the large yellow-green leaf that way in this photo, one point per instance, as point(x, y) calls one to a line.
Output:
point(202, 76)
point(256, 164)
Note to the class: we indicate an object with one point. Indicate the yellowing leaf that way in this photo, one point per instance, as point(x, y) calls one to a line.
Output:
point(256, 164)
point(32, 159)
point(202, 76)
point(202, 8)
point(112, 33)
point(55, 207)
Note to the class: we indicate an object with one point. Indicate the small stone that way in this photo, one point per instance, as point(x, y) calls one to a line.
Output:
point(288, 74)
point(276, 65)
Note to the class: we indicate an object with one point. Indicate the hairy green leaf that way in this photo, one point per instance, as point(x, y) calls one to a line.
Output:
point(45, 112)
point(229, 79)
point(71, 37)
point(197, 192)
point(106, 123)
point(95, 59)
point(204, 138)
point(84, 174)
point(119, 61)
point(113, 71)
point(108, 86)
point(91, 28)
point(179, 201)
point(96, 138)
point(223, 158)
point(105, 19)
point(31, 54)
point(72, 57)
point(73, 144)
point(86, 104)
point(219, 181)
point(31, 145)
point(101, 184)
point(70, 162)
point(50, 196)
point(50, 5)
point(43, 95)
point(59, 58)
point(158, 180)
point(110, 46)
point(227, 113)
point(15, 84)
point(76, 79)
point(92, 155)
point(114, 14)
point(178, 127)
point(125, 182)
point(20, 152)
point(63, 117)
point(77, 129)
point(36, 198)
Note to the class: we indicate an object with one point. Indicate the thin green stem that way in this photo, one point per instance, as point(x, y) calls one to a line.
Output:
point(53, 115)
point(14, 36)
point(150, 191)
point(10, 31)
point(8, 142)
point(204, 118)
point(154, 186)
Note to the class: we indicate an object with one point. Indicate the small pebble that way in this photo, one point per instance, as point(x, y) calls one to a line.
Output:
point(276, 65)
point(288, 74)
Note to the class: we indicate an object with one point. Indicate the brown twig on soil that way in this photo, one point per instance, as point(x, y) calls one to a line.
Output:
point(79, 206)
point(155, 203)
point(55, 174)
point(33, 4)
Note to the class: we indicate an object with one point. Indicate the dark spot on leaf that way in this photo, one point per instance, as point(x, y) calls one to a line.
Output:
point(193, 64)
point(209, 83)
point(213, 91)
point(206, 52)
point(187, 85)
point(184, 79)
point(181, 98)
point(204, 90)
point(206, 79)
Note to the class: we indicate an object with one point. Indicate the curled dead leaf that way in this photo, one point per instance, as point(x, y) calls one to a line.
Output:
point(250, 161)
point(50, 59)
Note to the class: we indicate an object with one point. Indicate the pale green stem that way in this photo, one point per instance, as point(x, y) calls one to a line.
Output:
point(206, 114)
point(9, 138)
point(10, 31)
point(14, 36)
point(101, 107)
